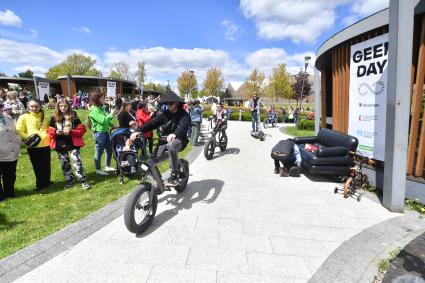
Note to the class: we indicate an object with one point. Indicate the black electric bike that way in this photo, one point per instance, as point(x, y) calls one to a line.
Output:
point(218, 138)
point(140, 208)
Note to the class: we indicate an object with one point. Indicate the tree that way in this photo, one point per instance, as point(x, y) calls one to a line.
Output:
point(254, 83)
point(279, 83)
point(121, 71)
point(2, 74)
point(214, 82)
point(156, 87)
point(141, 72)
point(26, 74)
point(297, 86)
point(185, 82)
point(74, 64)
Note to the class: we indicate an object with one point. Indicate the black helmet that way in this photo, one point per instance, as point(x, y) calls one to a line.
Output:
point(170, 97)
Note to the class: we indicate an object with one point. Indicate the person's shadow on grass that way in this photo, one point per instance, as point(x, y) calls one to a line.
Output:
point(198, 191)
point(4, 224)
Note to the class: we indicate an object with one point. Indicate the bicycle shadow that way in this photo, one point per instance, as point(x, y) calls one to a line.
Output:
point(198, 191)
point(228, 151)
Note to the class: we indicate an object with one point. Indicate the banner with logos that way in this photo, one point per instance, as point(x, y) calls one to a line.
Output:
point(368, 96)
point(111, 89)
point(43, 89)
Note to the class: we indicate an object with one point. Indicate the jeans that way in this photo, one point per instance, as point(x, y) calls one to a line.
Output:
point(40, 160)
point(295, 120)
point(196, 126)
point(255, 121)
point(284, 119)
point(102, 142)
point(173, 149)
point(287, 161)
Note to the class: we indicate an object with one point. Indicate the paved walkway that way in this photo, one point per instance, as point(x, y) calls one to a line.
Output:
point(236, 222)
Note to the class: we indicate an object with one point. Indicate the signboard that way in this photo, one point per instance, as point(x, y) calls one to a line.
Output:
point(368, 96)
point(111, 89)
point(43, 89)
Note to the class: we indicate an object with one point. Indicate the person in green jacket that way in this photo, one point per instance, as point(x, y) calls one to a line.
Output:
point(101, 123)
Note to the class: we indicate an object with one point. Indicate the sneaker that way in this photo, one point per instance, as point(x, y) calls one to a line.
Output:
point(109, 169)
point(283, 172)
point(85, 185)
point(294, 171)
point(133, 169)
point(69, 184)
point(276, 170)
point(173, 181)
point(101, 172)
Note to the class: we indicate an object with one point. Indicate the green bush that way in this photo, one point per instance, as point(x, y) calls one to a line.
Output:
point(304, 124)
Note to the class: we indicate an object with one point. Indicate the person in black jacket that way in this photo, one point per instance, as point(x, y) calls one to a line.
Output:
point(126, 119)
point(174, 124)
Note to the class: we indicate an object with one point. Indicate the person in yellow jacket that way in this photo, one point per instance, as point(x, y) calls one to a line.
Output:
point(35, 122)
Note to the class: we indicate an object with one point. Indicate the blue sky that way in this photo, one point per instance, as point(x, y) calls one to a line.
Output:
point(172, 36)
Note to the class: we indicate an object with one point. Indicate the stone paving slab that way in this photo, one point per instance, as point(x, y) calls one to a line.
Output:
point(236, 222)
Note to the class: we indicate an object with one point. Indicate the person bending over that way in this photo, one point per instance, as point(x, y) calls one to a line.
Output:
point(174, 123)
point(288, 154)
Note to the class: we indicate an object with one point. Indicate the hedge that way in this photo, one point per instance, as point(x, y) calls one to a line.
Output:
point(304, 124)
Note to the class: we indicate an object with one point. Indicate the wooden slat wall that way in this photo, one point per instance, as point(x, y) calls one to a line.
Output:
point(416, 103)
point(323, 98)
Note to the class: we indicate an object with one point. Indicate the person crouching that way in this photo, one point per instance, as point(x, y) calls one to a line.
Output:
point(287, 153)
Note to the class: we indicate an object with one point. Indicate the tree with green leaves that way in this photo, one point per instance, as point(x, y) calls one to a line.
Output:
point(279, 83)
point(214, 82)
point(121, 71)
point(156, 87)
point(74, 64)
point(185, 82)
point(297, 86)
point(254, 83)
point(26, 74)
point(141, 72)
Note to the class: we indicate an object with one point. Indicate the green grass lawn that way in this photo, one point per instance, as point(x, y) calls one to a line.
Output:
point(32, 215)
point(293, 131)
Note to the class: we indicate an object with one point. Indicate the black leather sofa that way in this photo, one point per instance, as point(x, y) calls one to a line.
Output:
point(332, 155)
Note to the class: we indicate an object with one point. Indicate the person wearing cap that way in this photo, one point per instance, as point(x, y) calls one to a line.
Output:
point(174, 124)
point(10, 146)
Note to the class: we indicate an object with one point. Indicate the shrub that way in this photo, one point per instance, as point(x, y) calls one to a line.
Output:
point(304, 124)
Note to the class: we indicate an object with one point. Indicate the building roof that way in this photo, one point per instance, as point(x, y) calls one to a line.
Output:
point(95, 78)
point(18, 80)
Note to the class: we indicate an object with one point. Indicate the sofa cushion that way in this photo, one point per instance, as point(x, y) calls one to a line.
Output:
point(332, 138)
point(313, 159)
point(324, 151)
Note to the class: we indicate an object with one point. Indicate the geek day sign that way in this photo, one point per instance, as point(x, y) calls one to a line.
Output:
point(111, 89)
point(368, 96)
point(43, 89)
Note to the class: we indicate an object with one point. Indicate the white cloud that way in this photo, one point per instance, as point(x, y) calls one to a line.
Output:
point(9, 18)
point(232, 30)
point(37, 70)
point(163, 62)
point(365, 8)
point(268, 58)
point(82, 29)
point(300, 21)
point(34, 33)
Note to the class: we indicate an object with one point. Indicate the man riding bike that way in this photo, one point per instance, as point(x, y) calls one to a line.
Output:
point(255, 104)
point(174, 123)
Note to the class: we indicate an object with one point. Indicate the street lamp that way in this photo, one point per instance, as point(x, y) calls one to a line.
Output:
point(306, 59)
point(190, 84)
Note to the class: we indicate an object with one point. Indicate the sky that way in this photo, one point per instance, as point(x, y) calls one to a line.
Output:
point(171, 36)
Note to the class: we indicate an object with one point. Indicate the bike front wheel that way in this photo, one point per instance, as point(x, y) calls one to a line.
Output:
point(184, 176)
point(209, 149)
point(140, 209)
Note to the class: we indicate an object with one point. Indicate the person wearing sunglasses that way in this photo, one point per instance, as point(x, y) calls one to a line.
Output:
point(174, 124)
point(10, 146)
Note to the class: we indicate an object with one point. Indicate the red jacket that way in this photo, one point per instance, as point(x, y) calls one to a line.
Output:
point(76, 134)
point(142, 118)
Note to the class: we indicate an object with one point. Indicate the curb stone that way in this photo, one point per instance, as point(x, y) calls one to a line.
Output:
point(356, 260)
point(29, 258)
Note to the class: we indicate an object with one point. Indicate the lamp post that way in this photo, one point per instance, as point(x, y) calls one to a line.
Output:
point(306, 59)
point(190, 84)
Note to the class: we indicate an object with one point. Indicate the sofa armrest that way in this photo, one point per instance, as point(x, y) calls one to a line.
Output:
point(304, 140)
point(332, 151)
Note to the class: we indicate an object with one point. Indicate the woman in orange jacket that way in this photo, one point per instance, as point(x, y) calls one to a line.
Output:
point(143, 116)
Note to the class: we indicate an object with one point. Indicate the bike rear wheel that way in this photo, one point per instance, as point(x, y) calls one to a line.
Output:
point(209, 149)
point(184, 176)
point(266, 123)
point(139, 210)
point(222, 142)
